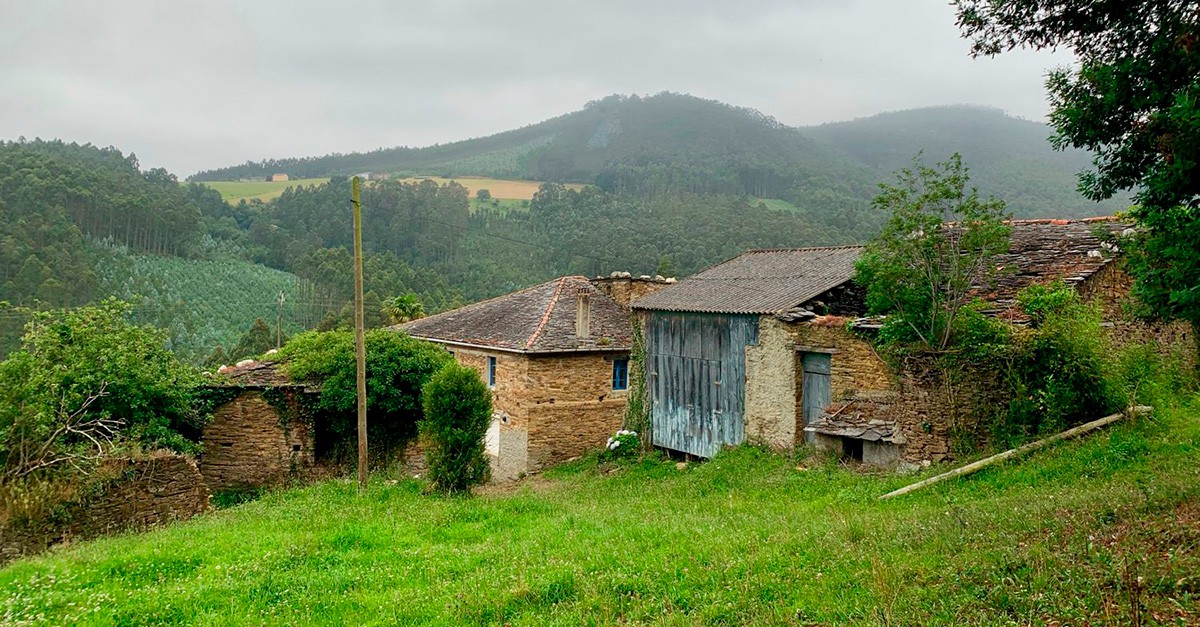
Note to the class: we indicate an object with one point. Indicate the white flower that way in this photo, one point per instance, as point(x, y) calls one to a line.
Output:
point(614, 445)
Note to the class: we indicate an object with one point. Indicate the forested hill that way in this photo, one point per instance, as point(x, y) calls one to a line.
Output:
point(672, 143)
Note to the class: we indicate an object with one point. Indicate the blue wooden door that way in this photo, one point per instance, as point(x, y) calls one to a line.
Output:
point(815, 392)
point(695, 376)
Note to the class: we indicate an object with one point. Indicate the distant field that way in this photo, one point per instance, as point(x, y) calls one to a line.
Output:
point(504, 189)
point(233, 191)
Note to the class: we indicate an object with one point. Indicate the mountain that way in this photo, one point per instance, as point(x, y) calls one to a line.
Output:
point(671, 143)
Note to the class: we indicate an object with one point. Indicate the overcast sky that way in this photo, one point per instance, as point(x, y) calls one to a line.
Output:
point(197, 85)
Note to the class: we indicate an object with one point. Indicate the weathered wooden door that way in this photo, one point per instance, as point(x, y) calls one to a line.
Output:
point(816, 387)
point(695, 376)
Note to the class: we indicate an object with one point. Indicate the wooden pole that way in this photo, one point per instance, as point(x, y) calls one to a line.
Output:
point(279, 323)
point(360, 347)
point(1021, 450)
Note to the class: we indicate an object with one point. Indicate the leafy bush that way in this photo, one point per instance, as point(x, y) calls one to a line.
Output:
point(85, 377)
point(1061, 373)
point(624, 444)
point(397, 368)
point(458, 411)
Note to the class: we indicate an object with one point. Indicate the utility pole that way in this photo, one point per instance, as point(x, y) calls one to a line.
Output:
point(279, 323)
point(360, 347)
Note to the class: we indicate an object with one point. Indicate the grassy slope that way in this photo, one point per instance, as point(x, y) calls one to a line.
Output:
point(233, 191)
point(744, 539)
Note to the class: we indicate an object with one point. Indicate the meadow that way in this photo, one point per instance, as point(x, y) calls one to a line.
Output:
point(266, 191)
point(1091, 532)
point(503, 189)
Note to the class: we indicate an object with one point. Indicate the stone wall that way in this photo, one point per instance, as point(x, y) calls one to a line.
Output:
point(572, 407)
point(247, 444)
point(1111, 289)
point(774, 378)
point(625, 290)
point(510, 403)
point(122, 494)
point(551, 407)
point(771, 386)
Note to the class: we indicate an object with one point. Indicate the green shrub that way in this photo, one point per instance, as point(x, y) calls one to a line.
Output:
point(458, 411)
point(1061, 373)
point(398, 366)
point(87, 374)
point(624, 444)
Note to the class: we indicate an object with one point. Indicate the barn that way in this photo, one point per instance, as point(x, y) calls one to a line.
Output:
point(770, 347)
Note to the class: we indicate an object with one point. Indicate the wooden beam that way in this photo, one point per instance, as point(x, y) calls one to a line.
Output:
point(1021, 450)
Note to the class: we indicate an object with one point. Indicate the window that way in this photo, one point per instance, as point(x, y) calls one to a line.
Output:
point(491, 372)
point(621, 373)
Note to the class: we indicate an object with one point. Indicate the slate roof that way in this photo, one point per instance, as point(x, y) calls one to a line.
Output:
point(869, 430)
point(256, 375)
point(759, 282)
point(775, 281)
point(1046, 250)
point(539, 319)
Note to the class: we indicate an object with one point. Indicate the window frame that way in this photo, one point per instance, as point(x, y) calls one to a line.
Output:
point(491, 371)
point(620, 374)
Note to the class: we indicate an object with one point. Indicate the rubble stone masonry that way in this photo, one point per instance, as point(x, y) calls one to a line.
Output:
point(123, 494)
point(247, 444)
point(1111, 289)
point(572, 407)
point(552, 407)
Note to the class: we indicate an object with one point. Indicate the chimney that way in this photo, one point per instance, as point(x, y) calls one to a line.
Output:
point(583, 314)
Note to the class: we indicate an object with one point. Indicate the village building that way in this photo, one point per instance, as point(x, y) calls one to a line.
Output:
point(556, 357)
point(257, 436)
point(278, 177)
point(770, 348)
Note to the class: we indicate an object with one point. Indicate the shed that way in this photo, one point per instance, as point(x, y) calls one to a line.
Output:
point(255, 437)
point(715, 365)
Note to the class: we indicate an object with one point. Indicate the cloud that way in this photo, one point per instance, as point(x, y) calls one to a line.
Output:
point(190, 85)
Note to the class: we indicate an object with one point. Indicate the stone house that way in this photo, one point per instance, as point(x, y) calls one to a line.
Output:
point(770, 347)
point(278, 177)
point(556, 357)
point(256, 437)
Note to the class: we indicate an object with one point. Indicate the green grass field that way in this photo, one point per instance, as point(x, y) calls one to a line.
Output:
point(502, 189)
point(748, 538)
point(234, 191)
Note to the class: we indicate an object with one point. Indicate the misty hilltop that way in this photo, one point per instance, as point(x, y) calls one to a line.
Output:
point(673, 142)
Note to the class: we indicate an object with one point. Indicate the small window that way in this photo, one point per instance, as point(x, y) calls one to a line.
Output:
point(491, 372)
point(620, 373)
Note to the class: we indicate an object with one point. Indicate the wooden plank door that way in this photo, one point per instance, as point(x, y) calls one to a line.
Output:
point(816, 387)
point(696, 380)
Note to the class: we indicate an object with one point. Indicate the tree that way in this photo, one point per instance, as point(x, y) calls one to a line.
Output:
point(1132, 100)
point(89, 370)
point(397, 368)
point(257, 340)
point(920, 269)
point(458, 411)
point(483, 195)
point(403, 308)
